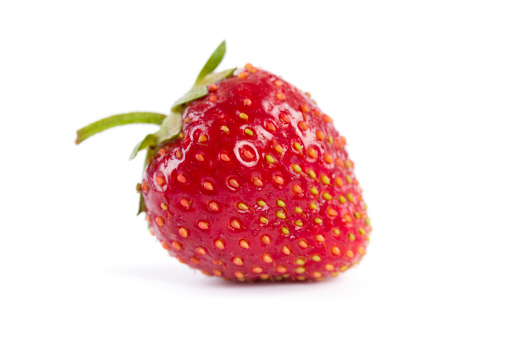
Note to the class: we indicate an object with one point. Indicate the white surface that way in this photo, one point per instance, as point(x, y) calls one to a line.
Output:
point(418, 88)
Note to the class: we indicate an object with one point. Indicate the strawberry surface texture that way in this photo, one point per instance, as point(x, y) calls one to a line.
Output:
point(248, 180)
point(260, 187)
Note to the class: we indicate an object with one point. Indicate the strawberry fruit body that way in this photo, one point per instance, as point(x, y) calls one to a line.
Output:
point(256, 185)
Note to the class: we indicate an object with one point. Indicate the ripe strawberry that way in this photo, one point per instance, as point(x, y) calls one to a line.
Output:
point(256, 184)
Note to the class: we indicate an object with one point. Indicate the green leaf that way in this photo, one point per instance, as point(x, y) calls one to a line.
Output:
point(118, 120)
point(193, 94)
point(142, 207)
point(215, 77)
point(170, 128)
point(149, 140)
point(201, 88)
point(213, 61)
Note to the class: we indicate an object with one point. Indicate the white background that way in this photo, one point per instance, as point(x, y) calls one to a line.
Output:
point(419, 88)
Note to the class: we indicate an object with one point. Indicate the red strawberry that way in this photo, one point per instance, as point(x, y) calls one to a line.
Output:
point(257, 185)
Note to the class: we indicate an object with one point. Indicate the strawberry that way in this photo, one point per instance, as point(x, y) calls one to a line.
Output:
point(248, 180)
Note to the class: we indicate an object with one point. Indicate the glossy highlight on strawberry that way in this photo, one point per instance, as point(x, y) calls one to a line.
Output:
point(257, 185)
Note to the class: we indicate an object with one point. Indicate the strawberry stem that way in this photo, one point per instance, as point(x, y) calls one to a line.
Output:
point(118, 120)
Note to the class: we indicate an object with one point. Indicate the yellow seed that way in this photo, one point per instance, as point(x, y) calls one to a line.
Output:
point(270, 159)
point(163, 206)
point(334, 274)
point(249, 132)
point(352, 237)
point(203, 138)
point(320, 238)
point(316, 258)
point(298, 210)
point(320, 134)
point(183, 232)
point(343, 268)
point(263, 220)
point(335, 250)
point(317, 220)
point(312, 173)
point(220, 244)
point(243, 116)
point(257, 182)
point(331, 212)
point(261, 203)
point(357, 215)
point(350, 197)
point(225, 129)
point(233, 182)
point(348, 178)
point(296, 168)
point(299, 223)
point(280, 203)
point(285, 231)
point(300, 269)
point(313, 206)
point(257, 269)
point(336, 232)
point(330, 139)
point(328, 158)
point(342, 199)
point(303, 244)
point(300, 261)
point(286, 250)
point(265, 239)
point(297, 146)
point(242, 206)
point(314, 191)
point(327, 196)
point(280, 214)
point(325, 179)
point(361, 231)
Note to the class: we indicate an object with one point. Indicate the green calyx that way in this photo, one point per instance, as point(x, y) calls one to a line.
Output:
point(170, 125)
point(204, 79)
point(118, 120)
